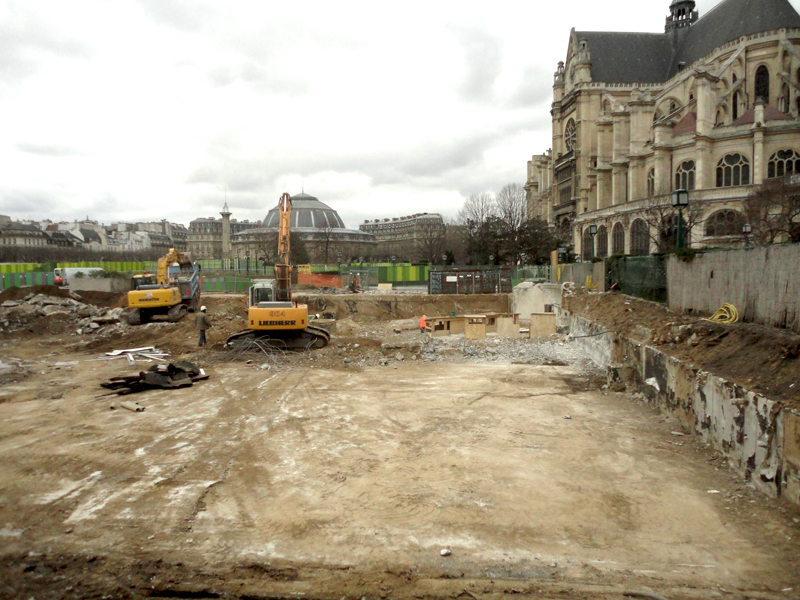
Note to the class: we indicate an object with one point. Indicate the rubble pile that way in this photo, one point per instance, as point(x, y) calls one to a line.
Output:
point(86, 318)
point(171, 376)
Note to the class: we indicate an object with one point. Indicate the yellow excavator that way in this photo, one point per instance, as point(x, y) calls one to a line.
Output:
point(273, 317)
point(171, 293)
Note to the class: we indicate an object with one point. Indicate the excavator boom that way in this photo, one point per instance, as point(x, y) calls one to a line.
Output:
point(283, 269)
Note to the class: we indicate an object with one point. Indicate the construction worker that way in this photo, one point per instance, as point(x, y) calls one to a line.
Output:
point(423, 323)
point(201, 323)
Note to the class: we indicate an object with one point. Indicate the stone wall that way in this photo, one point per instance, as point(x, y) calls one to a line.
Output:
point(762, 283)
point(760, 439)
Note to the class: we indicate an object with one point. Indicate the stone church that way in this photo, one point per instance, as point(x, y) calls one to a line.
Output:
point(712, 105)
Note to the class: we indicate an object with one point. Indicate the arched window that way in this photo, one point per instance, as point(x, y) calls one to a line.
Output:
point(684, 176)
point(640, 238)
point(570, 135)
point(735, 106)
point(618, 239)
point(651, 182)
point(724, 222)
point(783, 163)
point(733, 169)
point(602, 241)
point(588, 245)
point(762, 83)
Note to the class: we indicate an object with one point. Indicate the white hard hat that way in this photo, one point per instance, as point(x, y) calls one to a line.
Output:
point(202, 308)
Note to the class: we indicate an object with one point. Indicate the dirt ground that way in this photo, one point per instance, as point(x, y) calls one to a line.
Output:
point(763, 359)
point(345, 472)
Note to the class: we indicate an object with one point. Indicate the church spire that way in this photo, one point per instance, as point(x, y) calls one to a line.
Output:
point(681, 14)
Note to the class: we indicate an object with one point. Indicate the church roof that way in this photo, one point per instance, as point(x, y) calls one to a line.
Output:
point(628, 57)
point(653, 58)
point(770, 114)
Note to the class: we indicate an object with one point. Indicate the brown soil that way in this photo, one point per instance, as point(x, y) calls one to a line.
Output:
point(762, 359)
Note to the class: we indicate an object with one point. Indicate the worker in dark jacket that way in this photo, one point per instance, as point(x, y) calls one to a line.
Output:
point(201, 323)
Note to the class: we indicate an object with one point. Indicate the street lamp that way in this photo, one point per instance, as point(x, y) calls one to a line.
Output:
point(680, 199)
point(747, 229)
point(592, 232)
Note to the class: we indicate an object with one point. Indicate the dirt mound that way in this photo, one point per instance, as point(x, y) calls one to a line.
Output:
point(762, 359)
point(227, 312)
point(103, 299)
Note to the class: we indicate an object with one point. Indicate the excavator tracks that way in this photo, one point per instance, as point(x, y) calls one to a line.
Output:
point(309, 338)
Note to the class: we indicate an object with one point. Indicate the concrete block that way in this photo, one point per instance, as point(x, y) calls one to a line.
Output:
point(99, 284)
point(507, 328)
point(475, 331)
point(457, 326)
point(542, 324)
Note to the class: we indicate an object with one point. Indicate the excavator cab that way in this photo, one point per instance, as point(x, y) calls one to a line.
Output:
point(262, 290)
point(139, 281)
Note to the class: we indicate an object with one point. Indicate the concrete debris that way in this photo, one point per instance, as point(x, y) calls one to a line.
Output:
point(651, 381)
point(20, 314)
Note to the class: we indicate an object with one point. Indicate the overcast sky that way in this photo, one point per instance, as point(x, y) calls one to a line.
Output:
point(139, 110)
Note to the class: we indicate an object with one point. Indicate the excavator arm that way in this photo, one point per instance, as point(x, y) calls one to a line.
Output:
point(283, 269)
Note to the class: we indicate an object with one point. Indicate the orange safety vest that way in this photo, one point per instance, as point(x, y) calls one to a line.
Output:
point(422, 322)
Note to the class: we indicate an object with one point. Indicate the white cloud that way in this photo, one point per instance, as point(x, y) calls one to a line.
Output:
point(151, 109)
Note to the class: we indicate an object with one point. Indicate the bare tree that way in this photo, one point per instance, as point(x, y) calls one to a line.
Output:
point(662, 223)
point(324, 242)
point(478, 208)
point(431, 242)
point(512, 209)
point(773, 211)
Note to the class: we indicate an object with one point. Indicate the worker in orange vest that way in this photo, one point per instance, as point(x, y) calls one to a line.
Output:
point(423, 323)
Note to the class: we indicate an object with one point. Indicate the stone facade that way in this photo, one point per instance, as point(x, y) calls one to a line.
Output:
point(711, 105)
point(210, 238)
point(402, 237)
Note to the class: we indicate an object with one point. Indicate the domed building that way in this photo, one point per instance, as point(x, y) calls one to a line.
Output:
point(320, 227)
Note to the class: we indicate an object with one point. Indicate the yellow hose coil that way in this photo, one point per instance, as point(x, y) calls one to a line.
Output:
point(726, 314)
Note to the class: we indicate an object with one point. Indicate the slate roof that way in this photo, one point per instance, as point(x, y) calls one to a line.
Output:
point(628, 57)
point(89, 236)
point(13, 226)
point(655, 57)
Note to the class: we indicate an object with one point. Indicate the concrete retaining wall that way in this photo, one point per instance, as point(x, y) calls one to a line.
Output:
point(760, 439)
point(99, 284)
point(762, 283)
point(531, 297)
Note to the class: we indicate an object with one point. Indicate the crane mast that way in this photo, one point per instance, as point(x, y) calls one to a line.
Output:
point(283, 268)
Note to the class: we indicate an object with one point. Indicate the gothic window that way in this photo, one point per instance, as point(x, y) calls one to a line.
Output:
point(724, 222)
point(783, 163)
point(588, 245)
point(640, 238)
point(733, 169)
point(570, 135)
point(684, 176)
point(651, 182)
point(735, 106)
point(762, 83)
point(602, 241)
point(618, 239)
